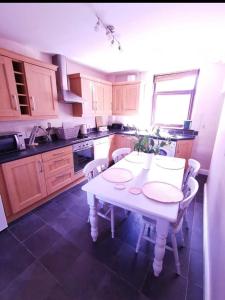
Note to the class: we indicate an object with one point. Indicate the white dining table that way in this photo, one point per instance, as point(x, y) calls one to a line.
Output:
point(164, 169)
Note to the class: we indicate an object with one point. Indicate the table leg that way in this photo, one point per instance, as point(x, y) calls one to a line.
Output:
point(92, 202)
point(162, 227)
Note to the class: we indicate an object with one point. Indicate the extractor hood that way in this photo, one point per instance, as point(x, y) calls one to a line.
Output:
point(64, 94)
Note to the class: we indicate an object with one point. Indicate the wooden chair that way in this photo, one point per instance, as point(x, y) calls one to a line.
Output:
point(118, 154)
point(192, 171)
point(92, 169)
point(175, 227)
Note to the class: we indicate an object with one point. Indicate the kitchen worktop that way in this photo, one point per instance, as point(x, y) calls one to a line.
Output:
point(48, 146)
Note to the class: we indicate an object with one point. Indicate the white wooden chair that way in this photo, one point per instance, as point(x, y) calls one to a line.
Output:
point(175, 227)
point(92, 169)
point(118, 154)
point(192, 171)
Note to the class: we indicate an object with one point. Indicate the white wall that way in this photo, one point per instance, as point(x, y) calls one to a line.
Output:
point(215, 216)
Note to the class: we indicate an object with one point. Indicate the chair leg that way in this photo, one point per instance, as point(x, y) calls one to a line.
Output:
point(175, 252)
point(185, 220)
point(112, 222)
point(126, 213)
point(140, 237)
point(182, 238)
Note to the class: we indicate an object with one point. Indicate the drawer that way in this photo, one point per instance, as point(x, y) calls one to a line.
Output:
point(56, 153)
point(58, 164)
point(59, 180)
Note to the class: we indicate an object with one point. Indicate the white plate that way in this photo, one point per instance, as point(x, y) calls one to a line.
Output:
point(170, 163)
point(136, 157)
point(117, 175)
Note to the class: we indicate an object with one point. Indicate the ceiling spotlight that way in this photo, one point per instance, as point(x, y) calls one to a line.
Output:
point(109, 31)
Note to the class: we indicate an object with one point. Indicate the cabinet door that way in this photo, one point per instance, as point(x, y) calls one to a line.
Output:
point(124, 141)
point(184, 150)
point(118, 96)
point(107, 99)
point(42, 91)
point(98, 98)
point(26, 182)
point(9, 106)
point(87, 95)
point(131, 99)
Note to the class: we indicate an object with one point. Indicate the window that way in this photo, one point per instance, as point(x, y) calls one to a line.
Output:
point(173, 97)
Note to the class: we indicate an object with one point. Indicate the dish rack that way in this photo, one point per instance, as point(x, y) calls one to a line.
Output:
point(67, 133)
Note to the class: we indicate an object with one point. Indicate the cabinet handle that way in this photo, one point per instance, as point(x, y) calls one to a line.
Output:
point(40, 166)
point(60, 176)
point(15, 102)
point(56, 154)
point(33, 106)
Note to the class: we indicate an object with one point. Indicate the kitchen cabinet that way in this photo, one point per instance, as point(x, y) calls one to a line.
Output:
point(97, 95)
point(184, 149)
point(58, 168)
point(27, 89)
point(25, 182)
point(124, 141)
point(9, 106)
point(126, 97)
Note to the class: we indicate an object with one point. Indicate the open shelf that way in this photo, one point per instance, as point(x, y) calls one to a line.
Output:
point(19, 74)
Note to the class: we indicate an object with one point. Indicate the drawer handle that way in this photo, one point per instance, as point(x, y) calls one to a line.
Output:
point(40, 166)
point(56, 154)
point(60, 176)
point(15, 102)
point(59, 160)
point(33, 107)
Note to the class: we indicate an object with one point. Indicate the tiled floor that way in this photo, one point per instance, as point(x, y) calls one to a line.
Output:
point(48, 254)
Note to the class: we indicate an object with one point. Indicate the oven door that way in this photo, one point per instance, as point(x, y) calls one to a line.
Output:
point(81, 157)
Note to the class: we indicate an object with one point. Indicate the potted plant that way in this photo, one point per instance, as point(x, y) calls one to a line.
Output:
point(150, 145)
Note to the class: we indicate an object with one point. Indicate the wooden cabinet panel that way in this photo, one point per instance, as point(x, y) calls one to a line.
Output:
point(126, 98)
point(56, 153)
point(98, 98)
point(9, 106)
point(184, 149)
point(118, 96)
point(59, 180)
point(42, 91)
point(107, 99)
point(58, 164)
point(25, 182)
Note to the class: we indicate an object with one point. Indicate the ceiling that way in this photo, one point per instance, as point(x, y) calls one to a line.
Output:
point(152, 35)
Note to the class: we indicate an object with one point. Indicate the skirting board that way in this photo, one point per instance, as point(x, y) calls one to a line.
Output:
point(206, 254)
point(204, 172)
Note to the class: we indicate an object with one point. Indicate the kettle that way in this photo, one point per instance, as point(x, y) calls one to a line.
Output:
point(83, 130)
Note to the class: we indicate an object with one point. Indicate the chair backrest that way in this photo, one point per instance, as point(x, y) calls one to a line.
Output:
point(193, 186)
point(118, 154)
point(192, 170)
point(95, 167)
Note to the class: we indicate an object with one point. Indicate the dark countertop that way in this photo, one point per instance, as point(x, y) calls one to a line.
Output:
point(44, 147)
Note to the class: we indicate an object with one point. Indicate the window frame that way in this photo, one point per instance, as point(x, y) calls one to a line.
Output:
point(170, 76)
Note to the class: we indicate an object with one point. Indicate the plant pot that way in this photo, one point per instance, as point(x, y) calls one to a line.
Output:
point(148, 161)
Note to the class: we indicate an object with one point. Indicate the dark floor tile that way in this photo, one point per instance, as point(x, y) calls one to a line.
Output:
point(131, 266)
point(42, 240)
point(7, 241)
point(60, 257)
point(27, 226)
point(34, 283)
point(49, 211)
point(66, 199)
point(12, 263)
point(196, 268)
point(82, 278)
point(66, 221)
point(194, 292)
point(113, 288)
point(168, 286)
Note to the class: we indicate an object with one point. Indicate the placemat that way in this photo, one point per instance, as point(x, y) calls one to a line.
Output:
point(162, 192)
point(136, 157)
point(117, 175)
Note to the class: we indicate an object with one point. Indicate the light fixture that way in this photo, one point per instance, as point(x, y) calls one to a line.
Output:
point(109, 31)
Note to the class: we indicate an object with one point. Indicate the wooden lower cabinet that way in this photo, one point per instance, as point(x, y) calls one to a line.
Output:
point(25, 182)
point(59, 180)
point(184, 149)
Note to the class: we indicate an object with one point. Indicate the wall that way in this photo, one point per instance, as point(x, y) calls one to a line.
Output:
point(215, 218)
point(65, 110)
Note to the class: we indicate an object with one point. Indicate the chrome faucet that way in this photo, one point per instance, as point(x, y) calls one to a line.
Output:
point(34, 133)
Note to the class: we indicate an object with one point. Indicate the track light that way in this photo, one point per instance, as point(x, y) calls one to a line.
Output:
point(109, 31)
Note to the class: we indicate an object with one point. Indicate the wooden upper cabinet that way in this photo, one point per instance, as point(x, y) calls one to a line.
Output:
point(25, 182)
point(118, 96)
point(41, 84)
point(96, 93)
point(126, 98)
point(27, 88)
point(9, 106)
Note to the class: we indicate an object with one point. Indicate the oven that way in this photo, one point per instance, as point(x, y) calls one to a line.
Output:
point(83, 153)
